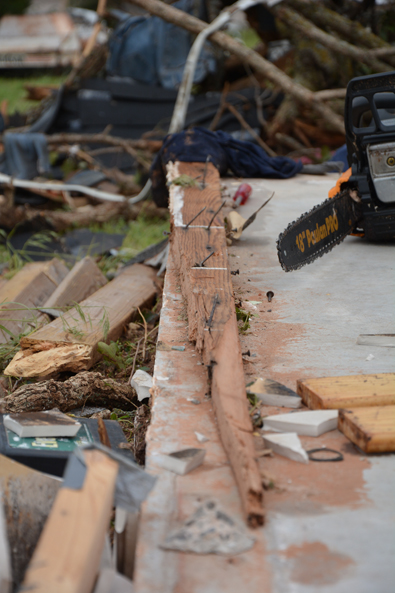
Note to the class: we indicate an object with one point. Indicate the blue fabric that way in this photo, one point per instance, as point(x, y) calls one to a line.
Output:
point(26, 155)
point(341, 155)
point(244, 159)
point(154, 52)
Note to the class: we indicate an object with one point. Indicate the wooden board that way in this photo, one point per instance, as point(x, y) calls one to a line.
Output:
point(351, 391)
point(30, 288)
point(67, 556)
point(372, 429)
point(70, 342)
point(84, 279)
point(212, 323)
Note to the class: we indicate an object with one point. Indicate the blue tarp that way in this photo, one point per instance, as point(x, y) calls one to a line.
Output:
point(25, 155)
point(244, 159)
point(154, 52)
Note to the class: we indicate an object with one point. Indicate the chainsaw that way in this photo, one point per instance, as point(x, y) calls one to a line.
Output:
point(363, 201)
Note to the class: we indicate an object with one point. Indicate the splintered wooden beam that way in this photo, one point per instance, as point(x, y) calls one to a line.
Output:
point(350, 391)
point(25, 292)
point(70, 341)
point(207, 288)
point(372, 429)
point(67, 556)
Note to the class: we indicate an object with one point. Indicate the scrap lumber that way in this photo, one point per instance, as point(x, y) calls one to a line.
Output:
point(372, 429)
point(67, 556)
point(84, 279)
point(25, 292)
point(212, 319)
point(28, 495)
point(70, 341)
point(85, 389)
point(350, 391)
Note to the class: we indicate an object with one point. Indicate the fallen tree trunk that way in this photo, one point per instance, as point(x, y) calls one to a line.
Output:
point(352, 30)
point(255, 61)
point(308, 29)
point(84, 389)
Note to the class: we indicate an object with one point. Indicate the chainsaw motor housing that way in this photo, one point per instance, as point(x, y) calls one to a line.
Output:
point(370, 134)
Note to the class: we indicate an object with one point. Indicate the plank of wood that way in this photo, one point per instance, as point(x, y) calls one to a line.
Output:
point(70, 342)
point(372, 429)
point(84, 279)
point(350, 391)
point(212, 323)
point(67, 556)
point(30, 288)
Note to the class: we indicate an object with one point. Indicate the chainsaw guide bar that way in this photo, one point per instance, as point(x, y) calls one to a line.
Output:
point(317, 232)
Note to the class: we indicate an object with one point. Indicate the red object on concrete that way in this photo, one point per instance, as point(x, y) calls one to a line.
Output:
point(242, 194)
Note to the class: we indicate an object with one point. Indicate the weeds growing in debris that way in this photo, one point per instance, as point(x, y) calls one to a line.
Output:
point(244, 317)
point(16, 258)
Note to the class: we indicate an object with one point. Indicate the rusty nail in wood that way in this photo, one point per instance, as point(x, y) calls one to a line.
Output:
point(270, 295)
point(215, 214)
point(201, 265)
point(215, 303)
point(203, 185)
point(195, 217)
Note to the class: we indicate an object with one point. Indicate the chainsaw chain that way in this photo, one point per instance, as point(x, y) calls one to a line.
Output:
point(322, 250)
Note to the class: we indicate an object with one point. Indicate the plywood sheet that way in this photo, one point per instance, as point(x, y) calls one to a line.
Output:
point(350, 391)
point(372, 429)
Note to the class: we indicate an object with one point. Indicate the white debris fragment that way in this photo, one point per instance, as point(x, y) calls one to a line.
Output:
point(370, 357)
point(201, 438)
point(142, 383)
point(286, 444)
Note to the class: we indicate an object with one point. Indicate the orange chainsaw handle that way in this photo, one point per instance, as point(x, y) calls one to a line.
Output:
point(338, 187)
point(342, 179)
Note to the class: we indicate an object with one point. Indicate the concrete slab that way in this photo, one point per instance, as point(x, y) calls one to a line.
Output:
point(330, 526)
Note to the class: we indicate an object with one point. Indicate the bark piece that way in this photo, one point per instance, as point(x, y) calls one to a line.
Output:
point(212, 321)
point(28, 289)
point(255, 61)
point(67, 556)
point(84, 389)
point(70, 341)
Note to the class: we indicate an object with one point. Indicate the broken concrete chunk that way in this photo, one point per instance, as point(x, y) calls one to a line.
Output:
point(201, 437)
point(42, 424)
point(383, 340)
point(142, 383)
point(209, 530)
point(272, 393)
point(286, 444)
point(181, 462)
point(312, 423)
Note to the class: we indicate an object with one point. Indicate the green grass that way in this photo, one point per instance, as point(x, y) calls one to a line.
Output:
point(11, 90)
point(140, 233)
